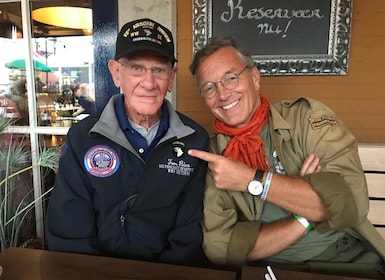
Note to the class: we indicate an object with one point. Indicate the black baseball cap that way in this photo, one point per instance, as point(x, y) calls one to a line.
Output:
point(144, 35)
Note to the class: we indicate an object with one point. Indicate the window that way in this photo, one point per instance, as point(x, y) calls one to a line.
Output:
point(42, 65)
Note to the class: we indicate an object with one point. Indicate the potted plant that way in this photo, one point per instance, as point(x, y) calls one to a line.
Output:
point(17, 199)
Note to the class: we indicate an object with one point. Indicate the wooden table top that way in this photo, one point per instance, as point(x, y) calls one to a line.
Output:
point(32, 264)
point(256, 273)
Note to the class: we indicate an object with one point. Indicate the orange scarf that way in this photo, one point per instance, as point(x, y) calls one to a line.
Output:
point(246, 145)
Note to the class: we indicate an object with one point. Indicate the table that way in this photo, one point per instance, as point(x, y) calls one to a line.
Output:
point(257, 273)
point(32, 264)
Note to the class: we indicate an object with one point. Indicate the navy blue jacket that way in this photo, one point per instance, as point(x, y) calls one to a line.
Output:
point(93, 210)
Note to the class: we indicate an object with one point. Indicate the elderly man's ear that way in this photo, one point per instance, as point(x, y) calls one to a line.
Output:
point(113, 66)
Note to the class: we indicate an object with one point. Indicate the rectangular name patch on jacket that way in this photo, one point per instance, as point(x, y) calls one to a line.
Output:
point(320, 121)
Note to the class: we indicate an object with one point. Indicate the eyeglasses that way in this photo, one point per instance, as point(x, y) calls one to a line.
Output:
point(137, 70)
point(228, 81)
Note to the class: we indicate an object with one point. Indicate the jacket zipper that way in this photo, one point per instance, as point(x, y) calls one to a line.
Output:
point(127, 206)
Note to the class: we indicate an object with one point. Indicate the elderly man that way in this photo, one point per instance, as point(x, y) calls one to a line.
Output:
point(126, 186)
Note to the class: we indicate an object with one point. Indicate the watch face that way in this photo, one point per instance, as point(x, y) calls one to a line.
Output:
point(255, 188)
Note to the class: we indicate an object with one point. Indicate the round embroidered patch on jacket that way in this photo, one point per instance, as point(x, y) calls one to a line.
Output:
point(101, 161)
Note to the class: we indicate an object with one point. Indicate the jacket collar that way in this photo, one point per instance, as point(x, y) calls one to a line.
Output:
point(108, 124)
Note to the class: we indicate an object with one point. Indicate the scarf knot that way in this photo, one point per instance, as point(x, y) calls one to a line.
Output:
point(245, 144)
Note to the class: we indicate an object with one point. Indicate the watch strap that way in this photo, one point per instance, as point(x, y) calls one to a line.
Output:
point(259, 175)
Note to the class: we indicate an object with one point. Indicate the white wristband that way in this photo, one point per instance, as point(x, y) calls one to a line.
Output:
point(266, 185)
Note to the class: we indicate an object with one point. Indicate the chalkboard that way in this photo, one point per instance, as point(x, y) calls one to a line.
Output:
point(296, 37)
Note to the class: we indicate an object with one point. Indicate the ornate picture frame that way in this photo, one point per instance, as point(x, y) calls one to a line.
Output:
point(332, 61)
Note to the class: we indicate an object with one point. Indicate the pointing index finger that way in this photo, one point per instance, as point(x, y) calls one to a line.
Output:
point(206, 156)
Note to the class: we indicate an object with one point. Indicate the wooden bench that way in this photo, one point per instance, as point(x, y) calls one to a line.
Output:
point(373, 161)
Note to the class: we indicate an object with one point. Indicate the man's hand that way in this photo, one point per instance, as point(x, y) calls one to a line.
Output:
point(310, 165)
point(234, 175)
point(228, 174)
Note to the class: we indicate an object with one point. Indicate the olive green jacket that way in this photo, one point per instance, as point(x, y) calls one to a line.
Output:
point(232, 219)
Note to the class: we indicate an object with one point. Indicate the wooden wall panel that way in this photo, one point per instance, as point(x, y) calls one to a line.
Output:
point(358, 98)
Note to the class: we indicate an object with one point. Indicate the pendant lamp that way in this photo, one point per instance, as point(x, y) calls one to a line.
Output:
point(64, 16)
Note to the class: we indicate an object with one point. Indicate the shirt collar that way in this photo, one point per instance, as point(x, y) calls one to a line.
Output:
point(125, 124)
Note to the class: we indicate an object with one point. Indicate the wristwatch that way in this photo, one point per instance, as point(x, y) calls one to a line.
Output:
point(255, 186)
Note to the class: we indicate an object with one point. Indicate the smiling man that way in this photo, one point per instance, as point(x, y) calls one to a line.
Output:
point(126, 186)
point(285, 186)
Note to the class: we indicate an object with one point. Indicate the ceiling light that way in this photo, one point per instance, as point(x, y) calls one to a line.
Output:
point(63, 16)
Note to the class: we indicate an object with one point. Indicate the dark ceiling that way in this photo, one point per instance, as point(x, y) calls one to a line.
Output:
point(10, 15)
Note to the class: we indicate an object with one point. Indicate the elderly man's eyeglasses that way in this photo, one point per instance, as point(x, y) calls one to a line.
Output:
point(228, 81)
point(137, 70)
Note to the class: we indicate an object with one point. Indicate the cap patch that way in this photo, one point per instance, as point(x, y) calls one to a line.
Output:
point(147, 39)
point(145, 35)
